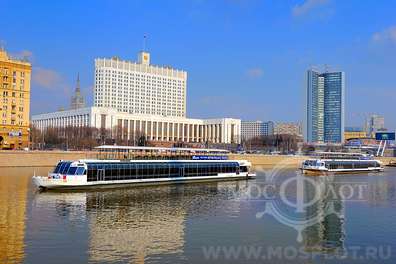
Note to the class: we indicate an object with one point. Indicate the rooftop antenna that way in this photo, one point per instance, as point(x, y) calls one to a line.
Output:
point(326, 68)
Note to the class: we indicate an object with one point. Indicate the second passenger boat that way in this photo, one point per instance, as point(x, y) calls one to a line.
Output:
point(339, 162)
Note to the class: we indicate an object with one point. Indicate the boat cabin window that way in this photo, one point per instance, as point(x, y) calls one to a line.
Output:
point(243, 169)
point(310, 163)
point(62, 167)
point(72, 170)
point(127, 171)
point(80, 171)
point(57, 168)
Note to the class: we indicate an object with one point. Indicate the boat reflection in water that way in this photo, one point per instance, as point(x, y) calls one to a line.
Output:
point(13, 199)
point(136, 224)
point(328, 234)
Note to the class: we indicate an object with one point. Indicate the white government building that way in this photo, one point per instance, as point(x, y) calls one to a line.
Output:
point(136, 98)
point(140, 88)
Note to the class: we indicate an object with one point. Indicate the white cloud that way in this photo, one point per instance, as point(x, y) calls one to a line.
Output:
point(24, 54)
point(307, 6)
point(254, 73)
point(387, 35)
point(46, 78)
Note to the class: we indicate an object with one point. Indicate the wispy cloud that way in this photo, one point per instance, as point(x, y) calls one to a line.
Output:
point(387, 35)
point(46, 78)
point(24, 54)
point(307, 6)
point(254, 73)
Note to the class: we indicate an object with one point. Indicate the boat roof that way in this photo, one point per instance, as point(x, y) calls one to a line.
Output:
point(351, 160)
point(339, 153)
point(150, 160)
point(112, 147)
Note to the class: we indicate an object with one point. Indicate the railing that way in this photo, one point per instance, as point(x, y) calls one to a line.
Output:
point(156, 153)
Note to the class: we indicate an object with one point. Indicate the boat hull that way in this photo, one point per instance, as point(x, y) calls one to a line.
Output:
point(45, 184)
point(341, 171)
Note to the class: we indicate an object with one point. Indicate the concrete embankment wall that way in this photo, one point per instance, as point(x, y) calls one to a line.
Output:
point(39, 158)
point(50, 158)
point(269, 161)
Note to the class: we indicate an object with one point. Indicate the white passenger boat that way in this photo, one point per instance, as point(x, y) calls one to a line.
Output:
point(331, 163)
point(158, 170)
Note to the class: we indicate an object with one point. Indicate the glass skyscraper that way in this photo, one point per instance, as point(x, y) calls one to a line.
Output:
point(325, 100)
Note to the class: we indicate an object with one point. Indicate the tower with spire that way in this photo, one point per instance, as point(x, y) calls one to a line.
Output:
point(77, 100)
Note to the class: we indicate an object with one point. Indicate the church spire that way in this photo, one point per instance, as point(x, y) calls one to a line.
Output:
point(78, 90)
point(77, 100)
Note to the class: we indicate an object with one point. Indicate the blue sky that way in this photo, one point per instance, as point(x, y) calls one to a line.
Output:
point(245, 58)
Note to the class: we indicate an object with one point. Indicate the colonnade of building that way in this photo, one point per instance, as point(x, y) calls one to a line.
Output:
point(131, 127)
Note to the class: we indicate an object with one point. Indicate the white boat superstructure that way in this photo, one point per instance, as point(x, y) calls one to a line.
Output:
point(324, 166)
point(106, 173)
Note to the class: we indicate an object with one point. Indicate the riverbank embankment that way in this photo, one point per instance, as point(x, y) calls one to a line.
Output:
point(50, 158)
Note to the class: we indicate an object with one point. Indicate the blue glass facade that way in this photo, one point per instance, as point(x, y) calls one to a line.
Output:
point(325, 107)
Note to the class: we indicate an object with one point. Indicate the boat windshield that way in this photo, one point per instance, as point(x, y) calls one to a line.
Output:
point(62, 167)
point(310, 163)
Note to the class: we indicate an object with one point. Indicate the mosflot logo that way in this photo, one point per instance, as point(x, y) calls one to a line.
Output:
point(303, 201)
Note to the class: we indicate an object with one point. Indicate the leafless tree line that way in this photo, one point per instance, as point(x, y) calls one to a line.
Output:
point(83, 137)
point(283, 143)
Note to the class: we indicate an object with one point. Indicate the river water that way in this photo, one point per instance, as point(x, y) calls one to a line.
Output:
point(279, 217)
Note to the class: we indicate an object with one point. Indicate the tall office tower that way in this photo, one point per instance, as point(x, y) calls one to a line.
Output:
point(77, 100)
point(14, 102)
point(139, 87)
point(325, 103)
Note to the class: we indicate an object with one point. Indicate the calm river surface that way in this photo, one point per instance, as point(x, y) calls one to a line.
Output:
point(286, 218)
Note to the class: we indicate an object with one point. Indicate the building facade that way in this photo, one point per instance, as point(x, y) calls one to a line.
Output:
point(375, 123)
point(288, 129)
point(139, 87)
point(354, 135)
point(14, 102)
point(154, 128)
point(325, 107)
point(252, 129)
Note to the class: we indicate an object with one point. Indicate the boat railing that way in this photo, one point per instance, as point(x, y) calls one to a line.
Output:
point(147, 153)
point(341, 155)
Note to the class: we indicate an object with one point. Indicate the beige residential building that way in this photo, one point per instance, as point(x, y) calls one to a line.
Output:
point(14, 102)
point(288, 129)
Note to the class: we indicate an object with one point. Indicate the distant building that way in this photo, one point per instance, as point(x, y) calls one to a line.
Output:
point(288, 129)
point(268, 128)
point(375, 123)
point(15, 102)
point(354, 134)
point(252, 129)
point(325, 106)
point(77, 100)
point(155, 128)
point(139, 87)
point(353, 129)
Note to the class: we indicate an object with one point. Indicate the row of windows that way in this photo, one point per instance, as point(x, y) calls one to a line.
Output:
point(127, 171)
point(352, 165)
